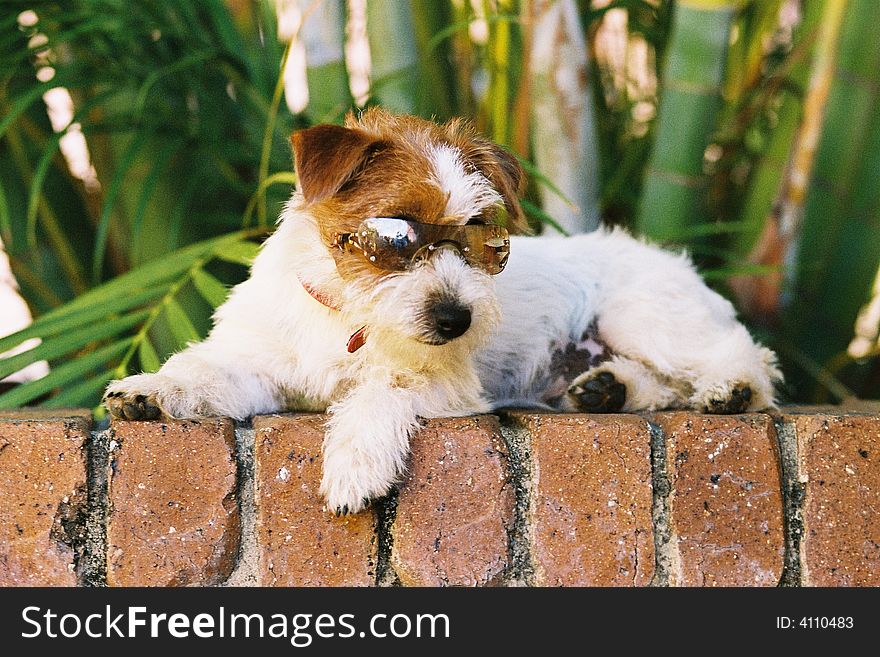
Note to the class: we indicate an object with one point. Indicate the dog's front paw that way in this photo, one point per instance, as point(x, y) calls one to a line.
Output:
point(350, 481)
point(134, 398)
point(597, 393)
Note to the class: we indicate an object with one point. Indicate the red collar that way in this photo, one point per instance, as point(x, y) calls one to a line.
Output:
point(358, 338)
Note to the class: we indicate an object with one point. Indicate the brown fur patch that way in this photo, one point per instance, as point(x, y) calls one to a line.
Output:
point(325, 157)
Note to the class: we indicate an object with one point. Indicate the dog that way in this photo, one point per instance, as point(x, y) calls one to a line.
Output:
point(381, 300)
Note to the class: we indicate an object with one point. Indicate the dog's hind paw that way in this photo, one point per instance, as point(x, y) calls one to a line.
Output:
point(597, 393)
point(736, 401)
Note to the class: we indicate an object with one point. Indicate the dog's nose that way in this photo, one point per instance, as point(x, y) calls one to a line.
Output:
point(450, 319)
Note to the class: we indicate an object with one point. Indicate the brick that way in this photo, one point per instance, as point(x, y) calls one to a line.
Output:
point(725, 503)
point(42, 508)
point(48, 414)
point(455, 507)
point(301, 544)
point(591, 499)
point(173, 518)
point(839, 460)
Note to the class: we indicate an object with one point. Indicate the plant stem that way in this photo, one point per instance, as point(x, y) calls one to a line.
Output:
point(267, 137)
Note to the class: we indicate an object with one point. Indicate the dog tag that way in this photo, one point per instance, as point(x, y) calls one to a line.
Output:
point(357, 339)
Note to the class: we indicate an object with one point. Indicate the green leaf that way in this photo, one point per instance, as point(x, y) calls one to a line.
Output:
point(49, 154)
point(80, 394)
point(148, 186)
point(533, 210)
point(180, 324)
point(63, 375)
point(281, 177)
point(397, 81)
point(149, 358)
point(103, 230)
point(52, 324)
point(674, 192)
point(536, 173)
point(155, 76)
point(242, 253)
point(209, 287)
point(228, 36)
point(67, 342)
point(25, 100)
point(153, 273)
point(740, 270)
point(683, 233)
point(463, 26)
point(5, 223)
point(183, 204)
point(57, 41)
point(35, 192)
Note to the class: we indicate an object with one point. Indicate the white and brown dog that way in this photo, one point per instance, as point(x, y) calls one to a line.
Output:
point(377, 300)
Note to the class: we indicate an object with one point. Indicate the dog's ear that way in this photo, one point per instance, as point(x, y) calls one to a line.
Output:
point(503, 170)
point(326, 156)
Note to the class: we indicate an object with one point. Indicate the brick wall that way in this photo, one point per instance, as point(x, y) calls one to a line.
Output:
point(670, 499)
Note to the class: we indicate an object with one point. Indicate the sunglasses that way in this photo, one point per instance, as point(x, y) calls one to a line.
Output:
point(397, 244)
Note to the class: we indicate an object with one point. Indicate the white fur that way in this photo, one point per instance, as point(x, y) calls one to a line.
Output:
point(467, 193)
point(274, 347)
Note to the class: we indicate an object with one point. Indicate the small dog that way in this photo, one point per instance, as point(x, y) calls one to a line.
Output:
point(380, 299)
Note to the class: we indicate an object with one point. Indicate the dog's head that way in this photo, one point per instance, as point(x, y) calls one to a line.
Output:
point(381, 168)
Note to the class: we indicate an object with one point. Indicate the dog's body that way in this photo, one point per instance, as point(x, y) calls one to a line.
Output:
point(598, 322)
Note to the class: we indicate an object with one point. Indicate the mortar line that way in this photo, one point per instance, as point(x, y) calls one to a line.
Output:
point(93, 567)
point(246, 572)
point(665, 551)
point(386, 513)
point(519, 536)
point(793, 495)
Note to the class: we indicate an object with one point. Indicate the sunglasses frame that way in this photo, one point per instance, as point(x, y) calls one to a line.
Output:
point(429, 238)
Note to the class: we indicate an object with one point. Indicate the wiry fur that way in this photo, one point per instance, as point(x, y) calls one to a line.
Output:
point(671, 341)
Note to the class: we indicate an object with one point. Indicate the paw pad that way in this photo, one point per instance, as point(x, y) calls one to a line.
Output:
point(599, 394)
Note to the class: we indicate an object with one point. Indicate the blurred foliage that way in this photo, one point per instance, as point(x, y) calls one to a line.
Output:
point(699, 111)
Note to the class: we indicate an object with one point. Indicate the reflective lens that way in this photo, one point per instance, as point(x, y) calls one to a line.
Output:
point(395, 244)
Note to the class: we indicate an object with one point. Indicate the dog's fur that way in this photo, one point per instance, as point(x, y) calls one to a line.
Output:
point(599, 322)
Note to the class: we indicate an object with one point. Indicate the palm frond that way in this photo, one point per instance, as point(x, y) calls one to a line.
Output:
point(118, 313)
